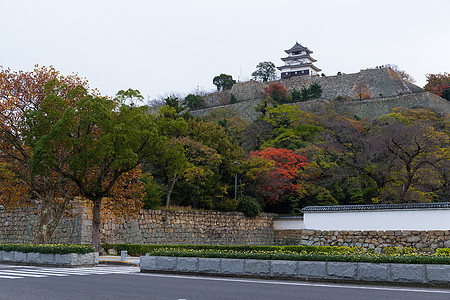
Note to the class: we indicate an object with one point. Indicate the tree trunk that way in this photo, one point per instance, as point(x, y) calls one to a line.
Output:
point(96, 224)
point(170, 186)
point(57, 216)
point(43, 223)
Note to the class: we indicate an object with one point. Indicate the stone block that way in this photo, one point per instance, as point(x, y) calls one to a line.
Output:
point(438, 273)
point(66, 259)
point(166, 263)
point(148, 263)
point(95, 258)
point(34, 258)
point(373, 272)
point(8, 256)
point(20, 257)
point(408, 273)
point(413, 239)
point(283, 268)
point(232, 266)
point(85, 259)
point(342, 270)
point(209, 265)
point(187, 264)
point(47, 259)
point(257, 267)
point(311, 269)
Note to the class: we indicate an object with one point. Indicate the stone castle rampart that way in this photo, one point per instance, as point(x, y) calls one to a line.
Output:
point(386, 90)
point(366, 109)
point(204, 228)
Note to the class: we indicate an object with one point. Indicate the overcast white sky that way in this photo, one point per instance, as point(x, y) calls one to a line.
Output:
point(168, 46)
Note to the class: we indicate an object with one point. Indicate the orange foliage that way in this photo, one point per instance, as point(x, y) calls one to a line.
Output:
point(284, 175)
point(125, 197)
point(21, 91)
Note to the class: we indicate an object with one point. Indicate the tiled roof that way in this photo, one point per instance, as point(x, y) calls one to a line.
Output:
point(297, 47)
point(376, 207)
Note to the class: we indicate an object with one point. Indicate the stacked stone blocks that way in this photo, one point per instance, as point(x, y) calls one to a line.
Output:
point(378, 240)
point(71, 259)
point(305, 270)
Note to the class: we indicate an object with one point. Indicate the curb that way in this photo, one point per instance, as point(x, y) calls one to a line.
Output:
point(349, 272)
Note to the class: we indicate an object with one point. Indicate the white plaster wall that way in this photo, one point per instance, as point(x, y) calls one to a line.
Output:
point(288, 224)
point(405, 219)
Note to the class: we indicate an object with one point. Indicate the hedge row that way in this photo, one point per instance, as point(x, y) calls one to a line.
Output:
point(303, 253)
point(137, 249)
point(48, 249)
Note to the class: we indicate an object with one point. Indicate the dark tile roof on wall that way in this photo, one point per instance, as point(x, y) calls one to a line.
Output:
point(376, 207)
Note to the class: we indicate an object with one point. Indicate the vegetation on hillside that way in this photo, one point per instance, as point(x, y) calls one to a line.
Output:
point(61, 140)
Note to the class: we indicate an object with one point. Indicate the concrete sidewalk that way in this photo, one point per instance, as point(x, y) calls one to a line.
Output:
point(115, 260)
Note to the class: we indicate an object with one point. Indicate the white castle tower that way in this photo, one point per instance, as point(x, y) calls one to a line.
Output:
point(298, 62)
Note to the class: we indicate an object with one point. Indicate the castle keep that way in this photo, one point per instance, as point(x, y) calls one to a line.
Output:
point(298, 62)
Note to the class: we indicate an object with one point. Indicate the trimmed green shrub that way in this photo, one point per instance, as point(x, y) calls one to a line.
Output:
point(300, 253)
point(227, 205)
point(48, 248)
point(443, 251)
point(249, 206)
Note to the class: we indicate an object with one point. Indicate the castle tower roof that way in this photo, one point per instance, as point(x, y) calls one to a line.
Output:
point(297, 48)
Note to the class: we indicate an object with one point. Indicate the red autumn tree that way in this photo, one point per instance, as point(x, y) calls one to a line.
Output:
point(434, 81)
point(361, 90)
point(276, 172)
point(277, 92)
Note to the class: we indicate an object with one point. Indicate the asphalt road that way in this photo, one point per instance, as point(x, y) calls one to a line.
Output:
point(117, 282)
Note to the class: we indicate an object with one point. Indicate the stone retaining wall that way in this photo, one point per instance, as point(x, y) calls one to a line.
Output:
point(302, 270)
point(206, 228)
point(422, 240)
point(21, 226)
point(71, 259)
point(189, 227)
point(148, 227)
point(370, 109)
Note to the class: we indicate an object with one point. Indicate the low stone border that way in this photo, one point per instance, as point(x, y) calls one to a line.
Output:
point(71, 259)
point(303, 270)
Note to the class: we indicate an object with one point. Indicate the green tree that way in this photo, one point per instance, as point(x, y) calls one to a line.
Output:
point(315, 91)
point(129, 96)
point(101, 142)
point(223, 82)
point(296, 95)
point(446, 94)
point(419, 141)
point(265, 71)
point(47, 194)
point(194, 102)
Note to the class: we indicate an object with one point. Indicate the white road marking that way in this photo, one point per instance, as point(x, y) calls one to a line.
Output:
point(21, 274)
point(415, 290)
point(40, 272)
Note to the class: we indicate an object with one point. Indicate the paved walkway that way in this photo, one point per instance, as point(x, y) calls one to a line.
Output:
point(115, 259)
